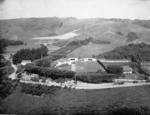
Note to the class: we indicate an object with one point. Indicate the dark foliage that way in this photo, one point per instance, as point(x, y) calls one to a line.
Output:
point(116, 69)
point(47, 61)
point(7, 70)
point(135, 52)
point(2, 46)
point(119, 33)
point(4, 63)
point(100, 42)
point(7, 87)
point(50, 72)
point(38, 90)
point(30, 54)
point(8, 42)
point(19, 68)
point(80, 42)
point(95, 77)
point(135, 66)
point(132, 36)
point(87, 41)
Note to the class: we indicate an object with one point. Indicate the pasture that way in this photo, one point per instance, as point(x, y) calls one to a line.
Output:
point(73, 100)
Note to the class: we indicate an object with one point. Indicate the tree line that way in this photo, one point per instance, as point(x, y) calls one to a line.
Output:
point(30, 54)
point(135, 52)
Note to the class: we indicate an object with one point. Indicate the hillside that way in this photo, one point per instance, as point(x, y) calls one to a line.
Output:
point(135, 52)
point(35, 31)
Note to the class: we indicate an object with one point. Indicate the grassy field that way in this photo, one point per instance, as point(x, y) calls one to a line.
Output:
point(91, 49)
point(81, 66)
point(71, 100)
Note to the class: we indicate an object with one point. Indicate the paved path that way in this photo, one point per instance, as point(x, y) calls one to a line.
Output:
point(13, 75)
point(82, 85)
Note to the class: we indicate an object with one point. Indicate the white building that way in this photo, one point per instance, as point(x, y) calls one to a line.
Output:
point(89, 59)
point(24, 62)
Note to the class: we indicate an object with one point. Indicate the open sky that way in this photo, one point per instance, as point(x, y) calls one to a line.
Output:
point(130, 9)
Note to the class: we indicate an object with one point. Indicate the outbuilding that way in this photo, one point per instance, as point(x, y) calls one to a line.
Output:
point(24, 62)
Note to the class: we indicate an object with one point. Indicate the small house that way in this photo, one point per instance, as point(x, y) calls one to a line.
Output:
point(89, 59)
point(24, 62)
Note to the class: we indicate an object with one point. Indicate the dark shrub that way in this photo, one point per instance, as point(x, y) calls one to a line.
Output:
point(7, 87)
point(135, 66)
point(135, 52)
point(95, 77)
point(20, 68)
point(5, 63)
point(30, 54)
point(132, 36)
point(116, 69)
point(34, 89)
point(7, 70)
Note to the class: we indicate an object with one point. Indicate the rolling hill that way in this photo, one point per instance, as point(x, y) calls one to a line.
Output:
point(117, 32)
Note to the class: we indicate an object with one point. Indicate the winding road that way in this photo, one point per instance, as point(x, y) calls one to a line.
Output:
point(13, 75)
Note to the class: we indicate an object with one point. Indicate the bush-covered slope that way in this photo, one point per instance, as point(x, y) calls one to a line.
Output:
point(135, 52)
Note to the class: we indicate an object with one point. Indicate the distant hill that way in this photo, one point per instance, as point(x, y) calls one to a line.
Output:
point(117, 32)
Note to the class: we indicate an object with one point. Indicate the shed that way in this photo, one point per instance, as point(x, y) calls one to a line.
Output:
point(24, 62)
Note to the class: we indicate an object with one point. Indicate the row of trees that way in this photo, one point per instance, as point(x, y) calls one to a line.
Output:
point(87, 41)
point(30, 54)
point(52, 73)
point(5, 42)
point(38, 90)
point(6, 85)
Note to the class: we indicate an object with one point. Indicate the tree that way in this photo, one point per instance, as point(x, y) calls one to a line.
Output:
point(30, 54)
point(132, 36)
point(116, 69)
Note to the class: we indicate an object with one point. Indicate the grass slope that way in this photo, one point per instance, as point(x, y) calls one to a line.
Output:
point(71, 100)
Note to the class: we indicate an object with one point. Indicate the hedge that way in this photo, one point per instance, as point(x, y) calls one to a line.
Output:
point(95, 77)
point(49, 72)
